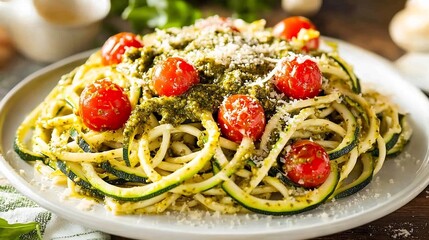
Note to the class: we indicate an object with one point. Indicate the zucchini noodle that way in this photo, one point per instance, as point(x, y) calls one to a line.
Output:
point(171, 156)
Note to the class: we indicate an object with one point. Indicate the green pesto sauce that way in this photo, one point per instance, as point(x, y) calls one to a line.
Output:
point(227, 61)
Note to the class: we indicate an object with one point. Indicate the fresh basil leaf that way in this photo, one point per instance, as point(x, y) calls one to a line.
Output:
point(15, 230)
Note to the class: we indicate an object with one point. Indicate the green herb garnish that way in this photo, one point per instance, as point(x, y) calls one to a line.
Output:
point(13, 231)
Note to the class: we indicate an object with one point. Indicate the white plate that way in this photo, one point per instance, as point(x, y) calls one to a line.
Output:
point(399, 181)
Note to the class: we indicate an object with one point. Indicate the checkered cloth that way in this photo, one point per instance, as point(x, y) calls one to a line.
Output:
point(16, 208)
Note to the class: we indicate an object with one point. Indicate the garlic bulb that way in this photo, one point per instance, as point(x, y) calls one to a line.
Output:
point(409, 28)
point(301, 7)
point(6, 48)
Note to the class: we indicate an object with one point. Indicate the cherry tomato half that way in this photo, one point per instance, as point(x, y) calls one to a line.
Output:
point(241, 115)
point(174, 77)
point(289, 28)
point(104, 106)
point(299, 77)
point(116, 45)
point(307, 164)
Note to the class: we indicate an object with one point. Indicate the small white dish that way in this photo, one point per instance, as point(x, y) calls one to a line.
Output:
point(50, 30)
point(414, 67)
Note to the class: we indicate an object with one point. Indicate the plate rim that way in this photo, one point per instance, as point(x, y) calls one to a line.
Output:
point(341, 224)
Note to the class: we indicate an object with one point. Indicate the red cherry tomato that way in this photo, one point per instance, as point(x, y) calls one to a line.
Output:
point(116, 45)
point(289, 28)
point(241, 115)
point(104, 106)
point(174, 77)
point(307, 164)
point(298, 77)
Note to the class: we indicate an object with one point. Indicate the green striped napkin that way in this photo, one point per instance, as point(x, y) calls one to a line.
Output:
point(16, 208)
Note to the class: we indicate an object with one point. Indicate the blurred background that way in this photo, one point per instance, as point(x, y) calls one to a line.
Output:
point(364, 23)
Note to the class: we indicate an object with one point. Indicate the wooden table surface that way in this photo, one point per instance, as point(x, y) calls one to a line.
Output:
point(365, 23)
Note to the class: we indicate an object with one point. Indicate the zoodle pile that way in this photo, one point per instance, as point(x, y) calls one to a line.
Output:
point(222, 115)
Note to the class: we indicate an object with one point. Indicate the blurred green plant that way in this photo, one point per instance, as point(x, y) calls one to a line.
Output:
point(149, 14)
point(159, 13)
point(248, 10)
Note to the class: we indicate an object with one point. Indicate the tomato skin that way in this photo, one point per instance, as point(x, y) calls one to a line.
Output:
point(289, 28)
point(116, 45)
point(241, 115)
point(307, 164)
point(298, 78)
point(173, 77)
point(104, 106)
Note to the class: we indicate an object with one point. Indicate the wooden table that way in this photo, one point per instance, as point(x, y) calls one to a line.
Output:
point(365, 23)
